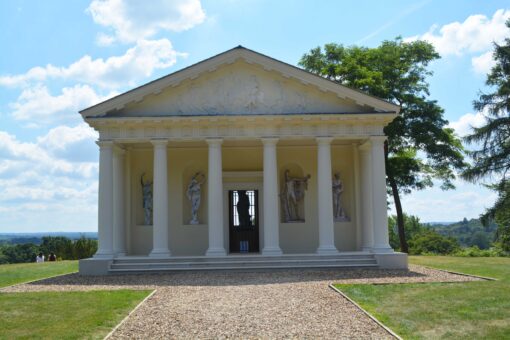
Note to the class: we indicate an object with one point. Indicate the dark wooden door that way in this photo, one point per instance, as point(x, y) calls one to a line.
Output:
point(243, 212)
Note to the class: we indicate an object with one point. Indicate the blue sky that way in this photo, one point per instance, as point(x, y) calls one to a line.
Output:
point(61, 56)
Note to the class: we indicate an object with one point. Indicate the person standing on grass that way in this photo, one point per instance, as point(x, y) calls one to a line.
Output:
point(52, 257)
point(39, 258)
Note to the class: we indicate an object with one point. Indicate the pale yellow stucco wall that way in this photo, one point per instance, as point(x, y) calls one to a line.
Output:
point(183, 162)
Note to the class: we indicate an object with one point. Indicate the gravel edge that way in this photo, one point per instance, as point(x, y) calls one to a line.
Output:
point(129, 314)
point(462, 274)
point(386, 328)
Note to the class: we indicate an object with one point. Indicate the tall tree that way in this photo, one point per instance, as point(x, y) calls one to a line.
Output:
point(420, 147)
point(492, 141)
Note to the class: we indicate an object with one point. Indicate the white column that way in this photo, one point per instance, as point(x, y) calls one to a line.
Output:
point(357, 194)
point(325, 197)
point(105, 200)
point(379, 199)
point(215, 199)
point(271, 218)
point(160, 203)
point(367, 225)
point(119, 220)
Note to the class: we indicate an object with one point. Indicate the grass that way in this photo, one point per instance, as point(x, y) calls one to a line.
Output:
point(64, 315)
point(11, 274)
point(470, 310)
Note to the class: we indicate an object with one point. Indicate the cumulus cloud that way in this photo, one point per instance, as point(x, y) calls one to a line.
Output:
point(463, 126)
point(132, 20)
point(38, 106)
point(139, 62)
point(483, 63)
point(473, 36)
point(436, 205)
point(41, 187)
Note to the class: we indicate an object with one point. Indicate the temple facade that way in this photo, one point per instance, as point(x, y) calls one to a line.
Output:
point(241, 161)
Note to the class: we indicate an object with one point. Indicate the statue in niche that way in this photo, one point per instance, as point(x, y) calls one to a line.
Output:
point(243, 209)
point(194, 195)
point(147, 201)
point(338, 189)
point(293, 192)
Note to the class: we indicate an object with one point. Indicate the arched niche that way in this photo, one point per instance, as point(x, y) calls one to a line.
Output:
point(292, 213)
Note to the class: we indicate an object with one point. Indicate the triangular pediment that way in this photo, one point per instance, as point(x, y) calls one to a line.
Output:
point(239, 82)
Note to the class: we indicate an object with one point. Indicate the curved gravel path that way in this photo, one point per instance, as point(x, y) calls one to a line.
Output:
point(266, 304)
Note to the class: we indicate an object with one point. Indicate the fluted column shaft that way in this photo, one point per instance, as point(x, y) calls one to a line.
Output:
point(119, 215)
point(215, 199)
point(325, 197)
point(379, 205)
point(105, 200)
point(271, 219)
point(160, 204)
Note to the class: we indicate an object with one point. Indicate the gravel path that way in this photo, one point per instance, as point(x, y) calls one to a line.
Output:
point(266, 304)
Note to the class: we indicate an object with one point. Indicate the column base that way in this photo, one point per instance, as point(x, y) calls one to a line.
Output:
point(382, 249)
point(94, 266)
point(391, 260)
point(272, 251)
point(327, 250)
point(103, 255)
point(215, 252)
point(160, 253)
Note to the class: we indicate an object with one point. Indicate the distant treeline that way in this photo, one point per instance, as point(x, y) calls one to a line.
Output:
point(463, 238)
point(63, 247)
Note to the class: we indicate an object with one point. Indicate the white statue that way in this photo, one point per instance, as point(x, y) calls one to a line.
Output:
point(338, 189)
point(194, 195)
point(293, 192)
point(147, 201)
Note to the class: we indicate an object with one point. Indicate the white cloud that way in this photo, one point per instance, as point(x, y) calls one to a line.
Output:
point(139, 62)
point(435, 205)
point(483, 63)
point(42, 188)
point(475, 34)
point(132, 20)
point(463, 126)
point(37, 105)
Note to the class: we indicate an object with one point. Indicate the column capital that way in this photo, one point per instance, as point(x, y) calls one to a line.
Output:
point(105, 144)
point(269, 140)
point(324, 140)
point(378, 139)
point(159, 142)
point(119, 150)
point(214, 141)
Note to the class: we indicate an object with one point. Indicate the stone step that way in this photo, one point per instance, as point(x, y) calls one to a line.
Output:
point(240, 262)
point(143, 269)
point(310, 263)
point(241, 258)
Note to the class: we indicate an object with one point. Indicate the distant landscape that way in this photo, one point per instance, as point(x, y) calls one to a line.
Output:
point(467, 232)
point(36, 238)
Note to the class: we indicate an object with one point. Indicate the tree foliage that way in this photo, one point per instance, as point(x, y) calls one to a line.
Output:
point(420, 147)
point(491, 158)
point(63, 247)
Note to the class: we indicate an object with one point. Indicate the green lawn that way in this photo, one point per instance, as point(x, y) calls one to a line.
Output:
point(22, 272)
point(471, 310)
point(69, 315)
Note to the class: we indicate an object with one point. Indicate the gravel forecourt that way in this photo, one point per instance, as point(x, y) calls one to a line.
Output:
point(264, 304)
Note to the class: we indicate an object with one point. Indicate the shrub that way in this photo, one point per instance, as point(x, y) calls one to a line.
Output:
point(429, 241)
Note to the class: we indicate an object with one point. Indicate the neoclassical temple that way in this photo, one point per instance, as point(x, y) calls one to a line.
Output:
point(241, 161)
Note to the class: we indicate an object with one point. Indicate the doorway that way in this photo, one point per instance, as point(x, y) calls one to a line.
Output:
point(243, 212)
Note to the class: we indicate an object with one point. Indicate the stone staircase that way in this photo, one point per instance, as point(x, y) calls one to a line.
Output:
point(132, 264)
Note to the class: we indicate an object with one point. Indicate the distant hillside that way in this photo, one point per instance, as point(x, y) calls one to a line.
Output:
point(467, 232)
point(35, 238)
